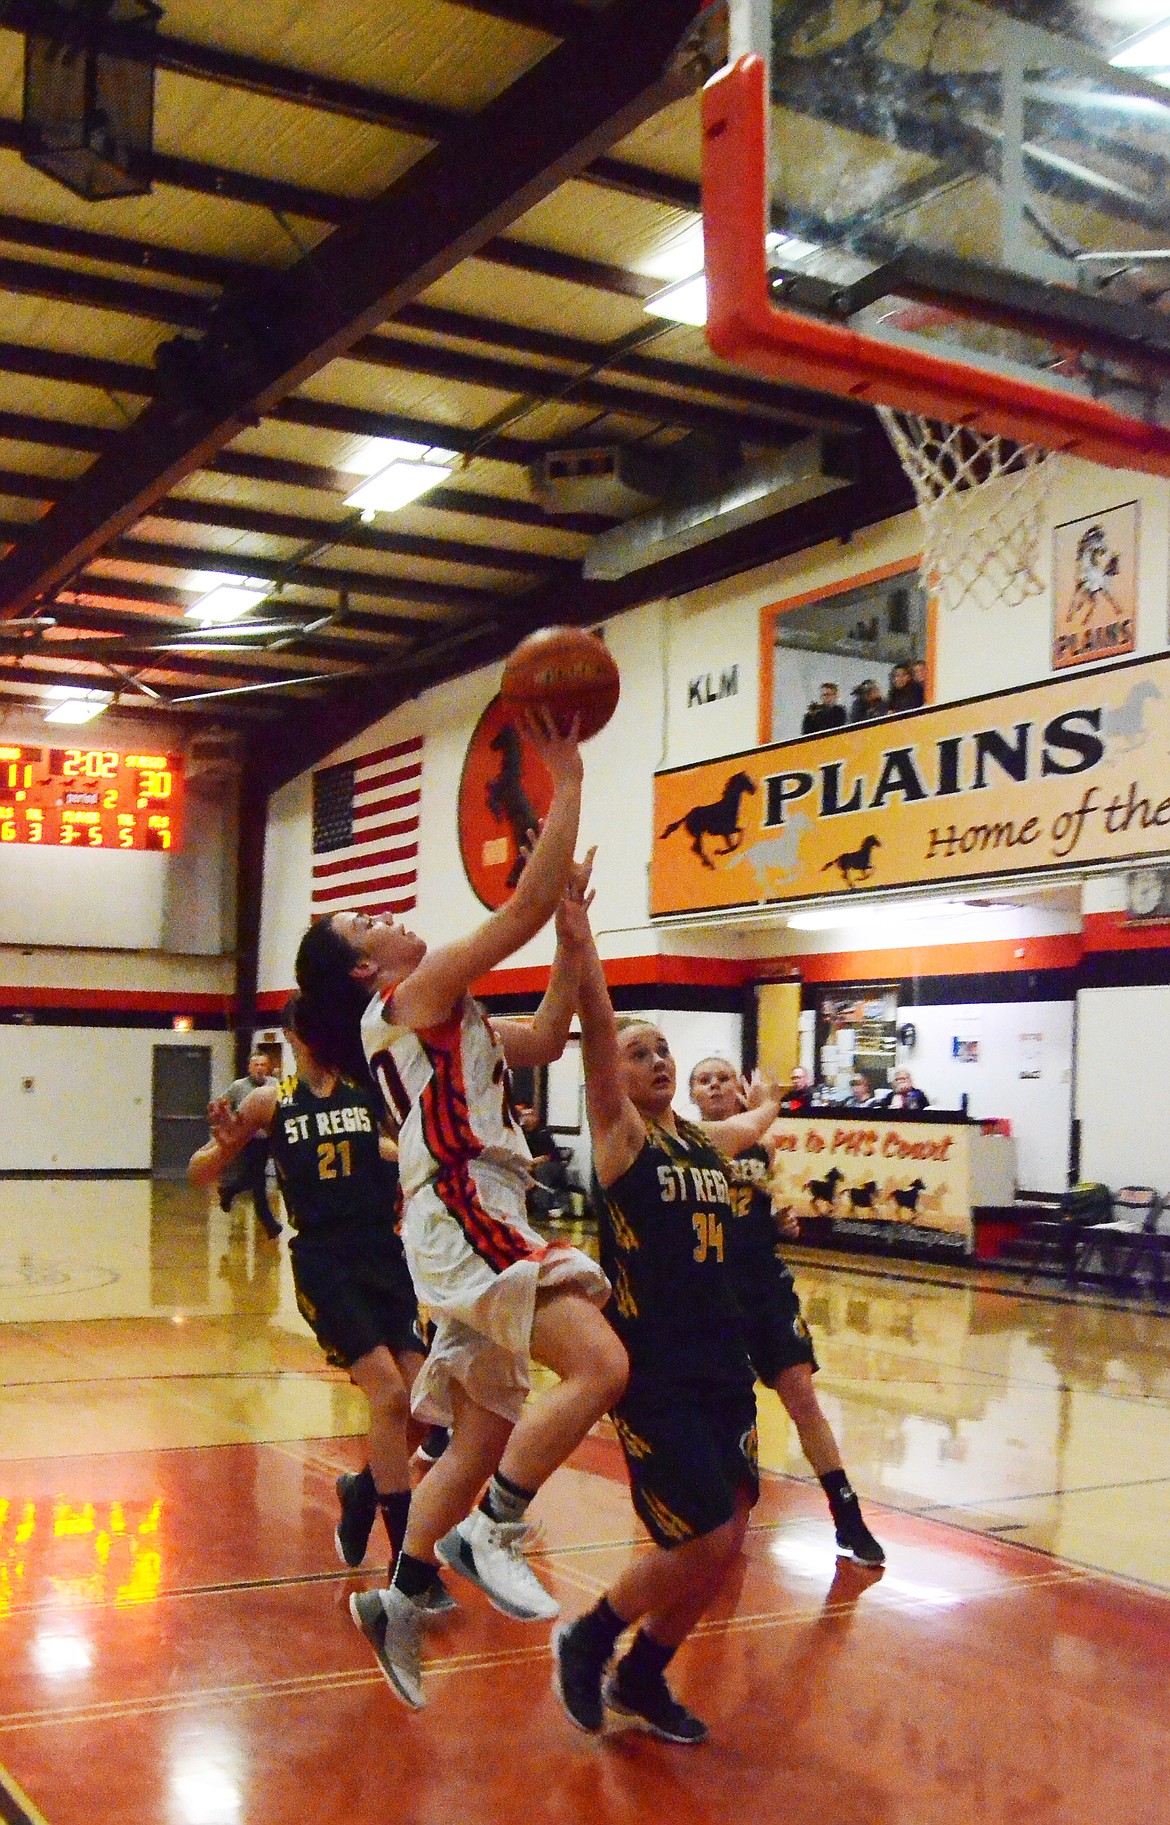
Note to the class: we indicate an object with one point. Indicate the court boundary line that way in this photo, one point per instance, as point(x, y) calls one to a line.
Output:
point(15, 1806)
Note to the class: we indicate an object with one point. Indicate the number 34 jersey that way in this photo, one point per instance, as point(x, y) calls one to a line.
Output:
point(663, 1246)
point(337, 1188)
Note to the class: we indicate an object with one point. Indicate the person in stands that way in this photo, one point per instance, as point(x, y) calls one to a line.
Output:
point(829, 713)
point(905, 1093)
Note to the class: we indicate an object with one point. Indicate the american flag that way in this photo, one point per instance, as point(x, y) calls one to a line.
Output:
point(365, 831)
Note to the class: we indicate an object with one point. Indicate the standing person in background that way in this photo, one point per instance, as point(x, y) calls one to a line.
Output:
point(349, 1271)
point(496, 1292)
point(868, 702)
point(778, 1343)
point(251, 1163)
point(687, 1421)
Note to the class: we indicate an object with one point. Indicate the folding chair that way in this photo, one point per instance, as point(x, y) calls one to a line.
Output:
point(1111, 1251)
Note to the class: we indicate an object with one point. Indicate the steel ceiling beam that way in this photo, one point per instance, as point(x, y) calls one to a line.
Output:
point(385, 624)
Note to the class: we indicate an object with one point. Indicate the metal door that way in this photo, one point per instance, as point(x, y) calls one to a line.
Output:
point(180, 1092)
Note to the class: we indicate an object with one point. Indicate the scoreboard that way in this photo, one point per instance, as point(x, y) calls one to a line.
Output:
point(90, 798)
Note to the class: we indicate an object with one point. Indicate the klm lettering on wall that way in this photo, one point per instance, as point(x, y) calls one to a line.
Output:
point(1071, 773)
point(713, 687)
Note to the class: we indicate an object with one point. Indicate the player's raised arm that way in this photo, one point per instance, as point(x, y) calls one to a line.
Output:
point(615, 1127)
point(231, 1130)
point(543, 1038)
point(426, 996)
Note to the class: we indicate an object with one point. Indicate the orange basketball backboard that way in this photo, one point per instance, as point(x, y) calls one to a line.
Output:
point(947, 208)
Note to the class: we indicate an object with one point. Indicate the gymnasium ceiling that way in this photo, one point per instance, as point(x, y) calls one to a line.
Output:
point(428, 220)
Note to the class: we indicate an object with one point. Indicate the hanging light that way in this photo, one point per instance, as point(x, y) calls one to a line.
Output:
point(88, 111)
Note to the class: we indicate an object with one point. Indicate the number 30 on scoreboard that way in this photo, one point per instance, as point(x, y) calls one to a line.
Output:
point(91, 798)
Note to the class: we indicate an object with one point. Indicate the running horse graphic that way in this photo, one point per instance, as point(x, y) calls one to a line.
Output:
point(856, 864)
point(507, 800)
point(720, 820)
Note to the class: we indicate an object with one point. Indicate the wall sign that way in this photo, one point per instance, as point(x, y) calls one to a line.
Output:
point(713, 687)
point(1094, 586)
point(1073, 771)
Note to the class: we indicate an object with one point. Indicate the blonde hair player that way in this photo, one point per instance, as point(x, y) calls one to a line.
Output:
point(779, 1346)
point(496, 1292)
point(687, 1421)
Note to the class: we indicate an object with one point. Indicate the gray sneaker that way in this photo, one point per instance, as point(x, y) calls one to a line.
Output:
point(391, 1624)
point(436, 1604)
point(488, 1552)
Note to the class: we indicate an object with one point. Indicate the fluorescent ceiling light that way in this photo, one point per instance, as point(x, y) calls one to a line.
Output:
point(1150, 52)
point(228, 601)
point(396, 486)
point(75, 705)
point(686, 300)
point(376, 453)
point(892, 912)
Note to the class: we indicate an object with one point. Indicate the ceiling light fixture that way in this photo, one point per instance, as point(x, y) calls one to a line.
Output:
point(397, 486)
point(77, 706)
point(228, 601)
point(685, 301)
point(1149, 53)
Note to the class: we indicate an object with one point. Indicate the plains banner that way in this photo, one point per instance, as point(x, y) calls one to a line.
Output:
point(1074, 772)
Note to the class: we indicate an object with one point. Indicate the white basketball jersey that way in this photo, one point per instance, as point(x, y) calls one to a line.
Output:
point(447, 1086)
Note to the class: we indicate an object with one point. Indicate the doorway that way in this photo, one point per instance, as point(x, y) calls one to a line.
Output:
point(180, 1084)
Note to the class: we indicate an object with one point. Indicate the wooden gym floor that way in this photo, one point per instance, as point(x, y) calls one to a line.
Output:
point(175, 1646)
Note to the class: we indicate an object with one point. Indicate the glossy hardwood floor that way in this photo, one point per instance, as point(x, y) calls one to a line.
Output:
point(175, 1645)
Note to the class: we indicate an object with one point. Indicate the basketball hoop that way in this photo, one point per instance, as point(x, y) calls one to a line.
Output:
point(981, 502)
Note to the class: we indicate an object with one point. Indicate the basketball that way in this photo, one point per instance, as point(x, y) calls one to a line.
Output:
point(567, 671)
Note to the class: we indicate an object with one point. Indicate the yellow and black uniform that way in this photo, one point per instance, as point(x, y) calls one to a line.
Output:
point(348, 1266)
point(774, 1330)
point(687, 1421)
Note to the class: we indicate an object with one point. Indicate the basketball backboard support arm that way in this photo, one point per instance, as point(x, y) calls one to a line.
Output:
point(746, 325)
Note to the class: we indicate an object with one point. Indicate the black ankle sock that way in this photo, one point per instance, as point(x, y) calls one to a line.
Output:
point(646, 1663)
point(599, 1629)
point(413, 1576)
point(395, 1507)
point(840, 1493)
point(505, 1500)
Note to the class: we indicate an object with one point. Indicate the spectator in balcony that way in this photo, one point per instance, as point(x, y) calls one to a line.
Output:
point(861, 1094)
point(868, 702)
point(918, 680)
point(905, 1093)
point(904, 693)
point(829, 713)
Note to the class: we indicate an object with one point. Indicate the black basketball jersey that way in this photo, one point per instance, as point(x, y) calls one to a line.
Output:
point(751, 1233)
point(663, 1246)
point(337, 1188)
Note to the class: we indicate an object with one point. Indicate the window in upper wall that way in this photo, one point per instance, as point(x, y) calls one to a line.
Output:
point(845, 656)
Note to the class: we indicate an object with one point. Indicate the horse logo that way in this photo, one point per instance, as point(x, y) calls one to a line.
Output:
point(720, 820)
point(1127, 723)
point(507, 800)
point(856, 864)
point(775, 855)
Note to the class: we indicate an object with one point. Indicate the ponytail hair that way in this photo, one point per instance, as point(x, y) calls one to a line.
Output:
point(327, 1012)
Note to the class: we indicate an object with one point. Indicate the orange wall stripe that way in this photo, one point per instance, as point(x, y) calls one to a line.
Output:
point(1021, 954)
point(1114, 932)
point(131, 1000)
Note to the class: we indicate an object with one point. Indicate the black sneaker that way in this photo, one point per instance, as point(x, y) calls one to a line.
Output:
point(577, 1678)
point(854, 1540)
point(358, 1513)
point(654, 1708)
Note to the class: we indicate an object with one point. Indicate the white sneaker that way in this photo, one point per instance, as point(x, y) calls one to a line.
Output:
point(488, 1552)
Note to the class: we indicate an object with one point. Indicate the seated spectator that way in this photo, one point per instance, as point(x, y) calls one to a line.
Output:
point(904, 693)
point(905, 1094)
point(861, 1094)
point(799, 1094)
point(827, 714)
point(868, 702)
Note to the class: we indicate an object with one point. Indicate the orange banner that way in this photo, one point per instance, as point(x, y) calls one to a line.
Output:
point(1053, 776)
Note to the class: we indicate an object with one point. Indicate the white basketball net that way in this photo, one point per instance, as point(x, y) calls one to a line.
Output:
point(981, 502)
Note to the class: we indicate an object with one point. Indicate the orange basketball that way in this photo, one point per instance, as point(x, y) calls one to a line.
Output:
point(567, 671)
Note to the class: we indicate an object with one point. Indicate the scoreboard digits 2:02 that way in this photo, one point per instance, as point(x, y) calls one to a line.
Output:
point(90, 798)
